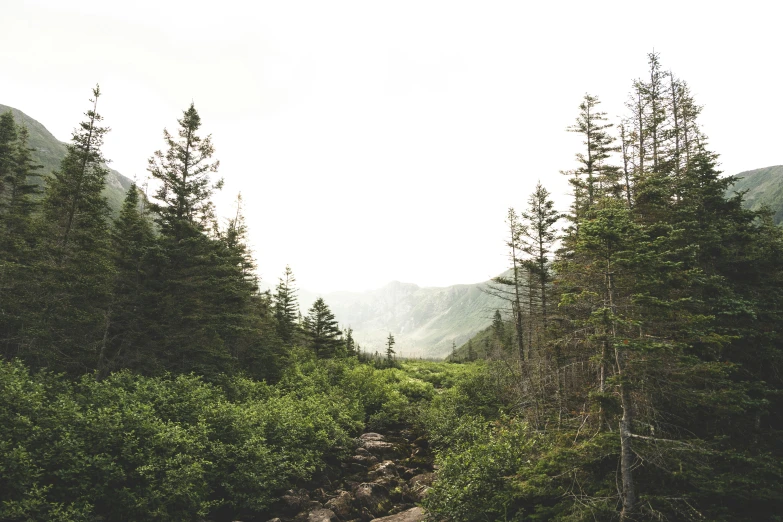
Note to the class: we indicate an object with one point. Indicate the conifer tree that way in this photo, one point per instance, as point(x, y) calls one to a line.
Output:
point(8, 137)
point(351, 347)
point(595, 175)
point(185, 193)
point(21, 191)
point(75, 210)
point(390, 350)
point(539, 237)
point(199, 281)
point(74, 274)
point(321, 330)
point(510, 288)
point(125, 343)
point(286, 307)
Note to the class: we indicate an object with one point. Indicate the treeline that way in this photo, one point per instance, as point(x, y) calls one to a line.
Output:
point(163, 288)
point(639, 360)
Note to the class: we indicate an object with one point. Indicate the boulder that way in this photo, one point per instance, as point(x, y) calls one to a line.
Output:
point(341, 504)
point(386, 469)
point(420, 485)
point(364, 460)
point(372, 498)
point(416, 514)
point(321, 515)
point(295, 500)
point(371, 436)
point(382, 449)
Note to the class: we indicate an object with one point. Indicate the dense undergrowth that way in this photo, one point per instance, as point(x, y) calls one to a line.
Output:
point(495, 465)
point(130, 447)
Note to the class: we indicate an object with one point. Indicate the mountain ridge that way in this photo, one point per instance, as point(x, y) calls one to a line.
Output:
point(424, 321)
point(762, 187)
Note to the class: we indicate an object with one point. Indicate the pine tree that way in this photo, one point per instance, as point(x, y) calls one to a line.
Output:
point(390, 350)
point(125, 343)
point(321, 330)
point(286, 307)
point(200, 280)
point(16, 236)
point(351, 348)
point(74, 273)
point(8, 137)
point(75, 210)
point(510, 288)
point(184, 172)
point(595, 176)
point(539, 235)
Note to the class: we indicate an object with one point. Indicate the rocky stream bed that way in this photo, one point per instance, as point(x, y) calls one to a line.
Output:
point(383, 481)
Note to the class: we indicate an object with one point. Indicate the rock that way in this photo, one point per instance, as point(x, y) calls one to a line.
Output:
point(385, 469)
point(274, 520)
point(341, 504)
point(321, 515)
point(420, 485)
point(425, 479)
point(372, 498)
point(363, 452)
point(416, 514)
point(385, 450)
point(365, 460)
point(295, 500)
point(312, 505)
point(371, 436)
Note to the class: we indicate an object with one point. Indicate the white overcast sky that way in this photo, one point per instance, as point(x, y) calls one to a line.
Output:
point(377, 141)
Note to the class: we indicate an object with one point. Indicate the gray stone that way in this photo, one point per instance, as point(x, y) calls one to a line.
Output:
point(385, 469)
point(385, 450)
point(416, 514)
point(420, 485)
point(321, 515)
point(341, 504)
point(296, 500)
point(372, 497)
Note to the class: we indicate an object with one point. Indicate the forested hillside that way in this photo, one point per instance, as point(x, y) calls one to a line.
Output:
point(632, 373)
point(48, 152)
point(762, 187)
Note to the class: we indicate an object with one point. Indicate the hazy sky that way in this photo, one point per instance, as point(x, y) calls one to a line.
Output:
point(375, 141)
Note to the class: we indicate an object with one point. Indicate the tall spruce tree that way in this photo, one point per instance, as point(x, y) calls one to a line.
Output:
point(199, 283)
point(74, 270)
point(126, 344)
point(511, 287)
point(321, 329)
point(286, 307)
point(595, 176)
point(183, 170)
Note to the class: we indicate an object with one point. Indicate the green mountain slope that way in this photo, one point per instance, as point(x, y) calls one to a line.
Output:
point(764, 187)
point(424, 321)
point(49, 152)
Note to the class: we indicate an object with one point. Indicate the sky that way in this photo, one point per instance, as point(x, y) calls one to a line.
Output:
point(377, 141)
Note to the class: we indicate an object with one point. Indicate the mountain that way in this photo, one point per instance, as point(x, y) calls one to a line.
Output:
point(424, 320)
point(764, 187)
point(49, 152)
